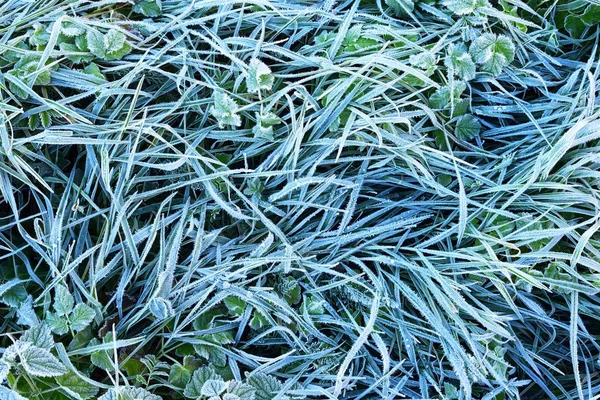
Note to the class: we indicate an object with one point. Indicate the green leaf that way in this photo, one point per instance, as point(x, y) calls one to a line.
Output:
point(225, 110)
point(26, 313)
point(46, 119)
point(267, 387)
point(212, 353)
point(129, 393)
point(40, 336)
point(591, 15)
point(460, 61)
point(12, 293)
point(194, 387)
point(460, 7)
point(94, 70)
point(401, 7)
point(113, 41)
point(161, 308)
point(242, 390)
point(40, 362)
point(149, 8)
point(213, 387)
point(235, 305)
point(81, 317)
point(58, 324)
point(74, 384)
point(118, 54)
point(71, 30)
point(575, 26)
point(258, 321)
point(258, 76)
point(63, 301)
point(95, 43)
point(179, 375)
point(467, 127)
point(493, 51)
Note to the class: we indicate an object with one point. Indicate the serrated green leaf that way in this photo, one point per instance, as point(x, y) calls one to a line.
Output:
point(213, 387)
point(26, 313)
point(58, 324)
point(242, 390)
point(493, 51)
point(467, 127)
point(235, 305)
point(258, 321)
point(194, 387)
point(40, 336)
point(81, 317)
point(267, 387)
point(460, 7)
point(179, 375)
point(95, 43)
point(149, 8)
point(460, 62)
point(225, 110)
point(75, 384)
point(40, 362)
point(129, 393)
point(63, 301)
point(401, 7)
point(258, 76)
point(113, 41)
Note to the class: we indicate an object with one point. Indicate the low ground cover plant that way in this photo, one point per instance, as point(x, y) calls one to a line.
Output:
point(260, 200)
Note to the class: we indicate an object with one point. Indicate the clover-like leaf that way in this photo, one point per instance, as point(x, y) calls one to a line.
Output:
point(493, 51)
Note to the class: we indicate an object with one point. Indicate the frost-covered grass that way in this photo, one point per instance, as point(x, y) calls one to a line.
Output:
point(260, 200)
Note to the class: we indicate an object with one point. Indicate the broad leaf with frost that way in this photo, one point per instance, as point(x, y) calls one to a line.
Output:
point(194, 387)
point(493, 52)
point(467, 127)
point(40, 362)
point(225, 110)
point(4, 370)
point(460, 62)
point(460, 7)
point(129, 393)
point(401, 7)
point(76, 386)
point(243, 391)
point(213, 387)
point(40, 336)
point(267, 387)
point(258, 76)
point(161, 308)
point(81, 317)
point(58, 324)
point(63, 301)
point(264, 125)
point(26, 313)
